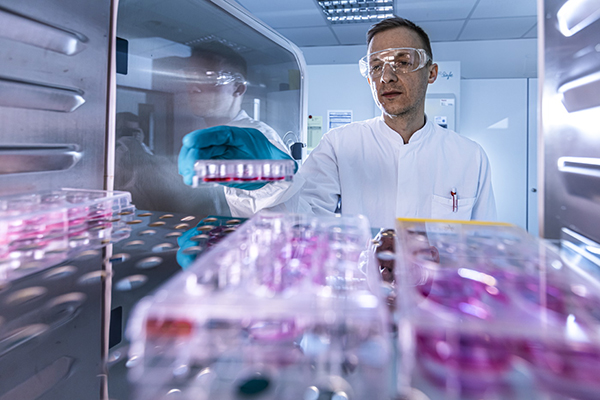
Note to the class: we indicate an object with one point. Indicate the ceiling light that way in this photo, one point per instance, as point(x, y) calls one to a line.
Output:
point(356, 11)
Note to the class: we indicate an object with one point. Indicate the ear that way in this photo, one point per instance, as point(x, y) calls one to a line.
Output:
point(240, 90)
point(433, 73)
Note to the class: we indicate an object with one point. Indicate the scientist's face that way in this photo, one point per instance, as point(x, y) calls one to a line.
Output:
point(207, 98)
point(399, 94)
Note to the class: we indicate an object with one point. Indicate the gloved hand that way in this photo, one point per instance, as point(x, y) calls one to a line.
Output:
point(204, 235)
point(227, 143)
point(184, 255)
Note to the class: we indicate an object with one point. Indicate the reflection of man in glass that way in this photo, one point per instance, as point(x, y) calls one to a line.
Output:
point(216, 82)
point(128, 128)
point(131, 152)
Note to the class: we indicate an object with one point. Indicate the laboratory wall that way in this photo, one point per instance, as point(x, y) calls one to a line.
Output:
point(500, 115)
point(338, 87)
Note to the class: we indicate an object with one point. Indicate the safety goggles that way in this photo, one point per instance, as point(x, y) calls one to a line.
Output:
point(400, 60)
point(215, 78)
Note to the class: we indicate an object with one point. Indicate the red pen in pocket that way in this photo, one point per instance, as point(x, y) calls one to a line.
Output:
point(454, 200)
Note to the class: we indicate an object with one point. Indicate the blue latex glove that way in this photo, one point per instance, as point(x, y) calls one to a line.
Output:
point(227, 143)
point(193, 241)
point(184, 259)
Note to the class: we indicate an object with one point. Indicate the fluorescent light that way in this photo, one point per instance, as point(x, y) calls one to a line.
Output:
point(357, 11)
point(581, 93)
point(580, 165)
point(575, 15)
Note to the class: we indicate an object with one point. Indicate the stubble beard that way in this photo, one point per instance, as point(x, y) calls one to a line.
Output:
point(406, 112)
point(402, 113)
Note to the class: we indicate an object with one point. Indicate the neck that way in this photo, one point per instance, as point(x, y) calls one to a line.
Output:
point(223, 119)
point(405, 124)
point(214, 121)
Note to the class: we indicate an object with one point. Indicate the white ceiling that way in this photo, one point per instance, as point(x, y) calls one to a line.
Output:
point(303, 22)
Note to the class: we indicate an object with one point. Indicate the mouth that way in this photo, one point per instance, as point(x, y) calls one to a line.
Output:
point(390, 94)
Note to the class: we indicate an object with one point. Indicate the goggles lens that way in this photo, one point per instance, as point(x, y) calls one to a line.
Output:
point(400, 60)
point(215, 78)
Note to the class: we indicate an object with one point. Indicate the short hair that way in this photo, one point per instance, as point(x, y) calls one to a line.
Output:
point(222, 55)
point(396, 22)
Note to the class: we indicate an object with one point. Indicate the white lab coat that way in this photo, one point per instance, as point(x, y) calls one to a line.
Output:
point(243, 120)
point(368, 165)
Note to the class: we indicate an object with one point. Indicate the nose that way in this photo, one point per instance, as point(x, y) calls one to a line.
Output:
point(388, 74)
point(193, 88)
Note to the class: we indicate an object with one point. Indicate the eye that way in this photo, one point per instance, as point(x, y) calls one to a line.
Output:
point(375, 68)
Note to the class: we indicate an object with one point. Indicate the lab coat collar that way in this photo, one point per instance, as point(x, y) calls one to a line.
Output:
point(242, 115)
point(417, 137)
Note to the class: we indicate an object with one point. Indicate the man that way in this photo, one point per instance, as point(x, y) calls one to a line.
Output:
point(215, 81)
point(208, 89)
point(131, 153)
point(127, 126)
point(397, 165)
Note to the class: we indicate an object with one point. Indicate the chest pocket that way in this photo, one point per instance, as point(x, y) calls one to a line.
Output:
point(441, 208)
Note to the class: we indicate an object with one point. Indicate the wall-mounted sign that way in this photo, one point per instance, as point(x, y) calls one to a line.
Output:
point(338, 118)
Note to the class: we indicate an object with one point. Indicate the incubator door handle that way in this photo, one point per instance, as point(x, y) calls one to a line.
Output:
point(16, 159)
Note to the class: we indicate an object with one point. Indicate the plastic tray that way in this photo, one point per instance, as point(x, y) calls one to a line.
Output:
point(494, 312)
point(242, 171)
point(41, 229)
point(278, 309)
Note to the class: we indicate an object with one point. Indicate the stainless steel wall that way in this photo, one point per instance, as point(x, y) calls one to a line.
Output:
point(570, 117)
point(54, 63)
